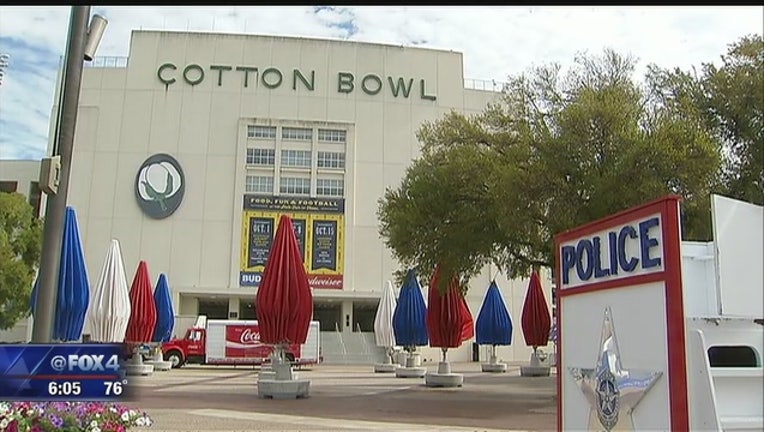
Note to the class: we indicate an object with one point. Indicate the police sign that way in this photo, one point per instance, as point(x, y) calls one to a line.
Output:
point(622, 275)
point(630, 249)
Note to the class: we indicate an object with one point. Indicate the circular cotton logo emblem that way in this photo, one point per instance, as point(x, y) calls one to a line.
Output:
point(159, 186)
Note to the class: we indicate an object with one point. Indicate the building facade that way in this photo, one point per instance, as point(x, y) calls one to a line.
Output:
point(189, 150)
point(22, 176)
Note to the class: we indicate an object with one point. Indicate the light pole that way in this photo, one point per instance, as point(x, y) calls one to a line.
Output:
point(54, 172)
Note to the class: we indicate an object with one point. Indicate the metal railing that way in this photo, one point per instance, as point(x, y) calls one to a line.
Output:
point(101, 62)
point(364, 342)
point(484, 85)
point(107, 62)
point(339, 337)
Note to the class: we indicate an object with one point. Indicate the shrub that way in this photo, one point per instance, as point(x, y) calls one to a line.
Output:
point(69, 417)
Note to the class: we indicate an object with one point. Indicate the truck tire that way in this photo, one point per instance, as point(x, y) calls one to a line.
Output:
point(175, 358)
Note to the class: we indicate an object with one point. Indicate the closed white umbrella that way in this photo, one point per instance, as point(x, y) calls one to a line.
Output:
point(383, 327)
point(110, 309)
point(383, 322)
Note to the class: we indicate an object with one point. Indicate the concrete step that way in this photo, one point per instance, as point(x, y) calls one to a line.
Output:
point(350, 348)
point(351, 359)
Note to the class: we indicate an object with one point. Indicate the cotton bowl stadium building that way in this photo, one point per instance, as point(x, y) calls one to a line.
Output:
point(189, 150)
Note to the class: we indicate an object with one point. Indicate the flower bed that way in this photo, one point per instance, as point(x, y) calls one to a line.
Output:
point(69, 417)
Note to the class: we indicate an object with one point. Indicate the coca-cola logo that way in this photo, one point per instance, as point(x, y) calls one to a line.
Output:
point(250, 337)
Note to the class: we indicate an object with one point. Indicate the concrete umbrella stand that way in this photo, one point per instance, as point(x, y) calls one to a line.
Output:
point(444, 377)
point(281, 382)
point(157, 360)
point(400, 358)
point(413, 368)
point(494, 365)
point(387, 366)
point(267, 368)
point(135, 366)
point(536, 368)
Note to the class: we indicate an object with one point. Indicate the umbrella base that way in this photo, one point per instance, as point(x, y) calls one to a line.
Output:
point(413, 360)
point(136, 366)
point(493, 367)
point(534, 371)
point(160, 365)
point(143, 369)
point(266, 375)
point(400, 358)
point(283, 389)
point(433, 379)
point(410, 372)
point(277, 371)
point(384, 367)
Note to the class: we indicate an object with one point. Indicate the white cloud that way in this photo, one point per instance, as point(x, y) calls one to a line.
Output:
point(496, 41)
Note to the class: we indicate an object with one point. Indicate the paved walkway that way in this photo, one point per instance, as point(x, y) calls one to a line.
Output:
point(346, 398)
point(209, 420)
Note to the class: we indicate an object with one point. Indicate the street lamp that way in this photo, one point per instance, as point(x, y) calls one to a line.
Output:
point(82, 44)
point(95, 33)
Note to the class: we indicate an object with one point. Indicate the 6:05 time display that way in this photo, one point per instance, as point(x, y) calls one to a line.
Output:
point(64, 388)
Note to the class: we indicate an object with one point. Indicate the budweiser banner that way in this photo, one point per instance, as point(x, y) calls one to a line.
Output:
point(319, 224)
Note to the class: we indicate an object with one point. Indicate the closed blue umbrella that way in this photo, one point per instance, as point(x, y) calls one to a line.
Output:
point(409, 318)
point(33, 297)
point(494, 325)
point(73, 287)
point(165, 313)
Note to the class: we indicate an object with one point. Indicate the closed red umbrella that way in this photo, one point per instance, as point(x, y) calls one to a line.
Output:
point(284, 301)
point(449, 321)
point(536, 321)
point(143, 315)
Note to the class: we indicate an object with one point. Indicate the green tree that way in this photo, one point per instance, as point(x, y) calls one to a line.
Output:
point(443, 204)
point(20, 246)
point(558, 151)
point(730, 99)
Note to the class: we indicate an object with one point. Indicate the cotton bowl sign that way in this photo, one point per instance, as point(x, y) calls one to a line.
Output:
point(621, 342)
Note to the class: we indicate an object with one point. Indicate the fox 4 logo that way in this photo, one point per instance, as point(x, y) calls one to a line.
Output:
point(92, 362)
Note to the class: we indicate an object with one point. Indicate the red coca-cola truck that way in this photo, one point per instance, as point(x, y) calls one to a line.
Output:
point(234, 342)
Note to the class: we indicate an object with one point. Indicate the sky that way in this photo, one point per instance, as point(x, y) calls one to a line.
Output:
point(495, 41)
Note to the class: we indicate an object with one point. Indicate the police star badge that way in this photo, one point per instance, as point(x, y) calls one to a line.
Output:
point(612, 392)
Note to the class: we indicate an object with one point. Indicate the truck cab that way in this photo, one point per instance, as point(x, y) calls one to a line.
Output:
point(189, 349)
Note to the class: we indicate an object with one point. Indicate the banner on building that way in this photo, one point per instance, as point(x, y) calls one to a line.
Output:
point(319, 224)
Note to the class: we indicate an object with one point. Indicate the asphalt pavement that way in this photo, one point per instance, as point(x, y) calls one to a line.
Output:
point(346, 398)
